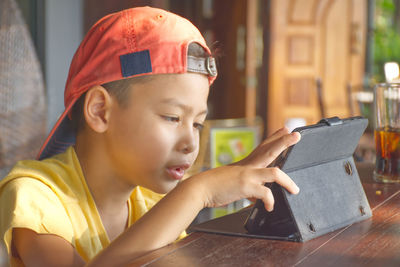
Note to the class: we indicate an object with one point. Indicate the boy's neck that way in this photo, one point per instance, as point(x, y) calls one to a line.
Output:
point(109, 192)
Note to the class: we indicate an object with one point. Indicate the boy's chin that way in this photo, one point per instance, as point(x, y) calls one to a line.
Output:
point(165, 188)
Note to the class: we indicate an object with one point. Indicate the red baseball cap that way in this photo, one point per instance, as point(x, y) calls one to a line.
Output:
point(133, 42)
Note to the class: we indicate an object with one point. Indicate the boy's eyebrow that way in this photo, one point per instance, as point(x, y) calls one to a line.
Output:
point(175, 102)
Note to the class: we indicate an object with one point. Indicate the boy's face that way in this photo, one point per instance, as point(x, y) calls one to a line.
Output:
point(155, 138)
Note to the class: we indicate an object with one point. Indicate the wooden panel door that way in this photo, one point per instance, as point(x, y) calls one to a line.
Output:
point(310, 41)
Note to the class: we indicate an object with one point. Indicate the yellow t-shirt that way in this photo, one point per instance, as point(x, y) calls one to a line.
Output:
point(52, 197)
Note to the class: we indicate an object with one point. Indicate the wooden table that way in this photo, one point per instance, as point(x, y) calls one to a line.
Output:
point(373, 242)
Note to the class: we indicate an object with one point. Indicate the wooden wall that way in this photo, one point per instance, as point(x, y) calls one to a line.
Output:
point(314, 40)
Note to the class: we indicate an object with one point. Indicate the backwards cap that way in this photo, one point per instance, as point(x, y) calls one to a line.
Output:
point(133, 42)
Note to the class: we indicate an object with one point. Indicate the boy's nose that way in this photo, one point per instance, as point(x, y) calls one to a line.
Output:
point(189, 140)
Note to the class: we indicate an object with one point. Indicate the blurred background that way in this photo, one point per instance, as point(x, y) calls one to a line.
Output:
point(275, 55)
point(279, 60)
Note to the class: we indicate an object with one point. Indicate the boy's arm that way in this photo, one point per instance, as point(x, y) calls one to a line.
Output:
point(174, 213)
point(43, 249)
point(166, 220)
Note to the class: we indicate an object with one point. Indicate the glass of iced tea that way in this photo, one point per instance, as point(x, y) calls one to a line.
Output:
point(387, 132)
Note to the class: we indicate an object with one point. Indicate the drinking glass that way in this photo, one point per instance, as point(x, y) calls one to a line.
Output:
point(387, 132)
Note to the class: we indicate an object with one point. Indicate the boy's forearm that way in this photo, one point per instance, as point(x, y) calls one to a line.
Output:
point(157, 228)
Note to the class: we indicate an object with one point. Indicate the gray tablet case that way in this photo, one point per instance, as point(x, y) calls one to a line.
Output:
point(331, 195)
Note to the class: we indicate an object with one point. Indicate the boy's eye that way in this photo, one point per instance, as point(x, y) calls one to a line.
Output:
point(171, 118)
point(198, 126)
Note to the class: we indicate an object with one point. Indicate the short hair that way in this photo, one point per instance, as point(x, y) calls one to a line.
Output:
point(120, 89)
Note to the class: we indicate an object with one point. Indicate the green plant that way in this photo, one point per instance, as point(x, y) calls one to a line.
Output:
point(386, 36)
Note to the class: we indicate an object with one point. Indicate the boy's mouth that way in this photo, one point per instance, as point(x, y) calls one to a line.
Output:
point(177, 172)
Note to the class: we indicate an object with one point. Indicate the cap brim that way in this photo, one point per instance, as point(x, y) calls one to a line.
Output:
point(60, 138)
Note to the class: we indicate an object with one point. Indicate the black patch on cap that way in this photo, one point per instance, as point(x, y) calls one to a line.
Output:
point(135, 63)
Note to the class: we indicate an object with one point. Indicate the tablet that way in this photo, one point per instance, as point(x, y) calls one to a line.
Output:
point(331, 195)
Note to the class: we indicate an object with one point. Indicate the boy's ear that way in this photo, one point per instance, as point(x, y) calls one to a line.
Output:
point(97, 108)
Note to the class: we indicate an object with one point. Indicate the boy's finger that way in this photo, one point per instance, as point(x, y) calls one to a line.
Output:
point(278, 176)
point(265, 194)
point(285, 181)
point(276, 135)
point(266, 154)
point(280, 145)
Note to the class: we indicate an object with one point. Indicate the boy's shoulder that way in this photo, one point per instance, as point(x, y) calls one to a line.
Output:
point(58, 173)
point(34, 195)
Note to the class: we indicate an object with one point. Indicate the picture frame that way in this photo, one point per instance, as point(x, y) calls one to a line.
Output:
point(220, 133)
point(231, 144)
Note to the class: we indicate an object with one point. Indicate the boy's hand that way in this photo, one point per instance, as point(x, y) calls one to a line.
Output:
point(246, 178)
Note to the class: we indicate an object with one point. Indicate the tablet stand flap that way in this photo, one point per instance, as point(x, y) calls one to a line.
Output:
point(331, 195)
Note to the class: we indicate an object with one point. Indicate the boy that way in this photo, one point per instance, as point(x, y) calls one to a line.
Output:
point(137, 95)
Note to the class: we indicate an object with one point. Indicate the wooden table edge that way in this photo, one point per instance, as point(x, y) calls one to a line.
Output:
point(164, 251)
